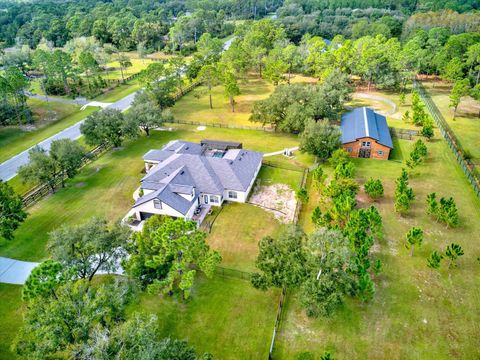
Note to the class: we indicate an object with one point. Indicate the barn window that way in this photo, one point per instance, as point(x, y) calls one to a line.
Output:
point(365, 143)
point(349, 149)
point(380, 152)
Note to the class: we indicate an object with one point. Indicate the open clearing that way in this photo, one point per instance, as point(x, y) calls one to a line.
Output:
point(417, 313)
point(226, 317)
point(466, 125)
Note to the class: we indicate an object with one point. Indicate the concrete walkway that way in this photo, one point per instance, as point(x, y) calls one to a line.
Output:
point(280, 152)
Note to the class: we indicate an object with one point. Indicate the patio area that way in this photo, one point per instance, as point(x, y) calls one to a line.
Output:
point(201, 213)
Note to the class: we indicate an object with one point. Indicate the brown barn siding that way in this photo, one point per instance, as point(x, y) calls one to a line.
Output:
point(375, 147)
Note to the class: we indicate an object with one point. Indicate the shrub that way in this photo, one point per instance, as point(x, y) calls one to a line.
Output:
point(374, 188)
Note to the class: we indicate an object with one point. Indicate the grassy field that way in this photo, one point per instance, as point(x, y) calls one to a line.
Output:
point(10, 315)
point(417, 313)
point(225, 317)
point(195, 105)
point(105, 187)
point(115, 72)
point(269, 175)
point(13, 140)
point(237, 241)
point(119, 92)
point(466, 125)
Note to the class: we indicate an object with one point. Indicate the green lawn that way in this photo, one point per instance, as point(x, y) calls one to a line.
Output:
point(137, 66)
point(253, 90)
point(269, 175)
point(119, 92)
point(105, 187)
point(237, 241)
point(417, 313)
point(466, 125)
point(10, 315)
point(225, 317)
point(13, 141)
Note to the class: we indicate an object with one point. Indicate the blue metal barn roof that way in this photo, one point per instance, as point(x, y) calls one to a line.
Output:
point(364, 122)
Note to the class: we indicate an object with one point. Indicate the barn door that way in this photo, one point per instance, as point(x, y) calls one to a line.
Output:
point(364, 153)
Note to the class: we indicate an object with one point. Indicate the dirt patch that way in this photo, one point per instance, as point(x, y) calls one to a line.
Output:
point(81, 184)
point(278, 199)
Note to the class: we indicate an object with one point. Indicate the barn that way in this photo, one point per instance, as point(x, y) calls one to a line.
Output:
point(365, 134)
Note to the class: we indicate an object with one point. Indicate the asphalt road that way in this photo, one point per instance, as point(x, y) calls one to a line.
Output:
point(9, 168)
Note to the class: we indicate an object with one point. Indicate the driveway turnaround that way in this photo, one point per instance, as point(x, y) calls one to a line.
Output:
point(15, 271)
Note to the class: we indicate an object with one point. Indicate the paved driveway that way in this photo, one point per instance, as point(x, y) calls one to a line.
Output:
point(15, 271)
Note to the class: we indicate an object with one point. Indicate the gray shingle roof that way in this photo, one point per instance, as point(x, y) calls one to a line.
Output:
point(187, 168)
point(364, 122)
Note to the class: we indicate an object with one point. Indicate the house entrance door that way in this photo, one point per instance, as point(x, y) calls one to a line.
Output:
point(205, 199)
point(364, 153)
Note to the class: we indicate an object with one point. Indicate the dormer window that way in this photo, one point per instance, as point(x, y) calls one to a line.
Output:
point(157, 204)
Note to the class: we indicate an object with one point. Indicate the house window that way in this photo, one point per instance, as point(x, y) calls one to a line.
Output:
point(349, 149)
point(214, 199)
point(157, 204)
point(380, 152)
point(232, 195)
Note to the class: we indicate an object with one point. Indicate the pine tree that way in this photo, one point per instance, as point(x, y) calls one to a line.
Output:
point(432, 205)
point(434, 260)
point(453, 252)
point(414, 237)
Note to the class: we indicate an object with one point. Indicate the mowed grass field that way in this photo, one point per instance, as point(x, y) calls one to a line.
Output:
point(13, 140)
point(236, 232)
point(195, 106)
point(417, 312)
point(226, 317)
point(466, 125)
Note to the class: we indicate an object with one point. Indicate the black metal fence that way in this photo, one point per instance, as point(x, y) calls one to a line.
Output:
point(39, 192)
point(282, 165)
point(281, 301)
point(278, 320)
point(220, 125)
point(453, 142)
point(405, 134)
point(233, 273)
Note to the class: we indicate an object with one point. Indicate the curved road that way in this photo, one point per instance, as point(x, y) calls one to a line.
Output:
point(9, 168)
point(383, 99)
